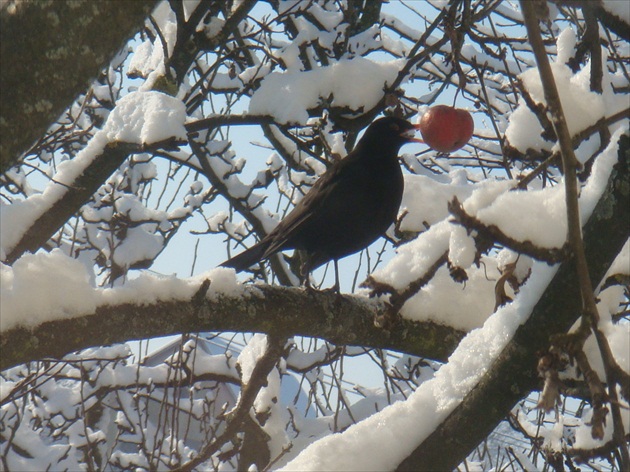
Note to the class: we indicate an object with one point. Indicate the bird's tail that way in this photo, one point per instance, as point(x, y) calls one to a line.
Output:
point(248, 257)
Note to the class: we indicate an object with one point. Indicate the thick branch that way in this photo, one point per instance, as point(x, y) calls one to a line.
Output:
point(277, 311)
point(72, 199)
point(97, 172)
point(590, 315)
point(513, 374)
point(40, 43)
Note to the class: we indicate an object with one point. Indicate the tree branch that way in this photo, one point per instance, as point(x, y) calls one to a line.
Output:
point(493, 233)
point(590, 315)
point(41, 76)
point(513, 374)
point(74, 196)
point(279, 311)
point(249, 392)
point(99, 170)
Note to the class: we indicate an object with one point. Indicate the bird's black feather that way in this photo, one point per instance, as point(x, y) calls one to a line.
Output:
point(350, 206)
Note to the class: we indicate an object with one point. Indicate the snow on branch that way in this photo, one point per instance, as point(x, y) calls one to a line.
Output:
point(420, 429)
point(140, 122)
point(151, 307)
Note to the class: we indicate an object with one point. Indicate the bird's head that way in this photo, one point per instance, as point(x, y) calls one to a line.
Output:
point(390, 132)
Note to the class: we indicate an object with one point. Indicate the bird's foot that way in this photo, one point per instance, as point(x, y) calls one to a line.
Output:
point(334, 289)
point(308, 286)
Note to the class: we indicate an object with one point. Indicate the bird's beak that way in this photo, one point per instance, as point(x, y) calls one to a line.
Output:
point(409, 135)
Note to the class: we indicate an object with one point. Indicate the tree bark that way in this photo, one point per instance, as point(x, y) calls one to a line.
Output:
point(50, 52)
point(513, 375)
point(278, 311)
point(80, 191)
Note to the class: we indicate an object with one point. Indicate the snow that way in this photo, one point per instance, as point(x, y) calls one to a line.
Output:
point(583, 435)
point(145, 60)
point(414, 258)
point(214, 27)
point(203, 363)
point(16, 218)
point(600, 173)
point(524, 130)
point(538, 216)
point(250, 355)
point(148, 61)
point(266, 401)
point(523, 263)
point(419, 190)
point(189, 7)
point(461, 306)
point(328, 19)
point(621, 264)
point(581, 107)
point(378, 442)
point(138, 245)
point(300, 360)
point(565, 45)
point(288, 96)
point(254, 72)
point(552, 436)
point(36, 289)
point(140, 117)
point(146, 118)
point(462, 248)
point(617, 334)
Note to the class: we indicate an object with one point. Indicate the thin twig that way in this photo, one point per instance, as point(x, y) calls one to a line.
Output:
point(249, 393)
point(570, 164)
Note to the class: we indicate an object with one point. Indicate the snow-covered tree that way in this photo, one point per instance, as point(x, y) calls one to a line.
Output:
point(140, 148)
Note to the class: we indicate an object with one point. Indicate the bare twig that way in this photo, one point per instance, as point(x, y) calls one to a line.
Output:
point(570, 164)
point(249, 392)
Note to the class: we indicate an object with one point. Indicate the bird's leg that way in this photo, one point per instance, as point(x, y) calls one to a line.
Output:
point(305, 272)
point(306, 281)
point(337, 287)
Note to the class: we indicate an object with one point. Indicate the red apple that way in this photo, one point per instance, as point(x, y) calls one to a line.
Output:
point(446, 129)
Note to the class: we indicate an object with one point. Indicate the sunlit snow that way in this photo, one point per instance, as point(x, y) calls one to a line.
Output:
point(288, 96)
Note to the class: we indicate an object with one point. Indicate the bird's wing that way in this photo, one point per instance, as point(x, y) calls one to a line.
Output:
point(318, 197)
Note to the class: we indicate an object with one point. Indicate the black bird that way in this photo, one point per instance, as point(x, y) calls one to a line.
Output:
point(350, 206)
